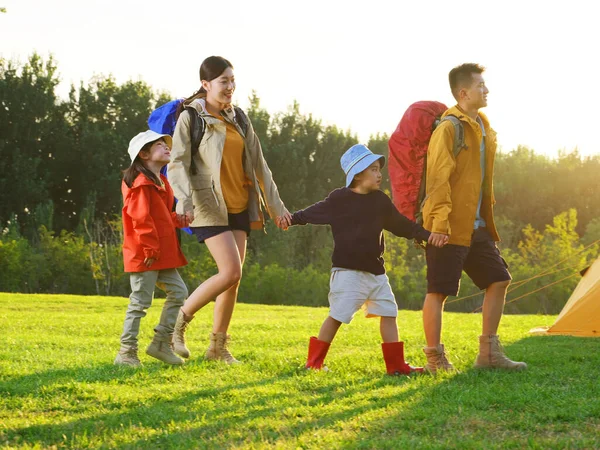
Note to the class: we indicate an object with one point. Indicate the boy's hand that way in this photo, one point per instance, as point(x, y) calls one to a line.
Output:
point(148, 261)
point(438, 239)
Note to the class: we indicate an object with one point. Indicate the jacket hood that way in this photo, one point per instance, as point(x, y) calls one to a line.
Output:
point(199, 104)
point(141, 180)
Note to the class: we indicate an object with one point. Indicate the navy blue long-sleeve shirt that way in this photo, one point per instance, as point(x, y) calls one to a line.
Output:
point(357, 222)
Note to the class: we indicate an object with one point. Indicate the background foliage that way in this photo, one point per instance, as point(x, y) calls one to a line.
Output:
point(60, 200)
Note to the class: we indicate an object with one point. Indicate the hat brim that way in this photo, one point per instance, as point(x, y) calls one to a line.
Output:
point(152, 136)
point(362, 165)
point(169, 140)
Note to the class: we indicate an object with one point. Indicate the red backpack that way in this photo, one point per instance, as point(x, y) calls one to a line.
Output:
point(407, 161)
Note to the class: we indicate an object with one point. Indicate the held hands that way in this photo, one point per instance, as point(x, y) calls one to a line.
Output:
point(438, 239)
point(284, 221)
point(183, 220)
point(189, 216)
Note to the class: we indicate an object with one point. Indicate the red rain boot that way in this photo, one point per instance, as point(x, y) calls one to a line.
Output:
point(393, 355)
point(317, 351)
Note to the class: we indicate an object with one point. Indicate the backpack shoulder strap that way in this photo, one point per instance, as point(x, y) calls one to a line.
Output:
point(457, 146)
point(242, 119)
point(459, 134)
point(197, 129)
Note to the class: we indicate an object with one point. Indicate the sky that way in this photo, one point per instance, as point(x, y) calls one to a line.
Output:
point(357, 65)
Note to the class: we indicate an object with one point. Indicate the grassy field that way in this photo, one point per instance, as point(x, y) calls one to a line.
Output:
point(59, 388)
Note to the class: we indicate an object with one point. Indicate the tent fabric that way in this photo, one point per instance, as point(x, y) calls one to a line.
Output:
point(581, 314)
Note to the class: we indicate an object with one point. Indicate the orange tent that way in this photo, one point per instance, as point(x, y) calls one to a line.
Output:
point(581, 315)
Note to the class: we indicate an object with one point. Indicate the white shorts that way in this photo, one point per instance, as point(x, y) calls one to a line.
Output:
point(350, 290)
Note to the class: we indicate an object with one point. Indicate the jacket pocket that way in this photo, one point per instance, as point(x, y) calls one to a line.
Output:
point(206, 202)
point(201, 181)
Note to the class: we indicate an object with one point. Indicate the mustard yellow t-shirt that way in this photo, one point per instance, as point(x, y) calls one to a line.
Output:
point(234, 182)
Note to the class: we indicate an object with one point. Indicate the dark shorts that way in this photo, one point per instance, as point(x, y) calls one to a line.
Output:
point(239, 221)
point(481, 262)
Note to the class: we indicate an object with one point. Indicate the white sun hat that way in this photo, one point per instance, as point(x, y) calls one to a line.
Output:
point(141, 139)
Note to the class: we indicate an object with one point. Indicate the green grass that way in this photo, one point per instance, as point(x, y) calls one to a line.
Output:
point(59, 388)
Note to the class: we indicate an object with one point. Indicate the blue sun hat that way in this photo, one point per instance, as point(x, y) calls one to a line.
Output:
point(356, 159)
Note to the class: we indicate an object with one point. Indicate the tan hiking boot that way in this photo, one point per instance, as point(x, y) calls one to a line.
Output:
point(163, 350)
point(491, 355)
point(128, 357)
point(437, 360)
point(218, 349)
point(179, 347)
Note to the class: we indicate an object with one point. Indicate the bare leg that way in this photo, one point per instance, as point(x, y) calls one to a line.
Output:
point(329, 329)
point(224, 250)
point(388, 329)
point(432, 318)
point(226, 301)
point(493, 306)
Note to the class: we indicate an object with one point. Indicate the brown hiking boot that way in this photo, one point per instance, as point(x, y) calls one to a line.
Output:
point(218, 349)
point(179, 347)
point(491, 355)
point(163, 350)
point(128, 357)
point(437, 360)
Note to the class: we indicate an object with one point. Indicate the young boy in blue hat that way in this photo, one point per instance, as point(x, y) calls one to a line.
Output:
point(358, 214)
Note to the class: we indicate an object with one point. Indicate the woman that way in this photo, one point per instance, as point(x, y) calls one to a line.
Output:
point(218, 188)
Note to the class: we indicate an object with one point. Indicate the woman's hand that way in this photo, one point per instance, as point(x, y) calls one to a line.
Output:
point(148, 262)
point(284, 221)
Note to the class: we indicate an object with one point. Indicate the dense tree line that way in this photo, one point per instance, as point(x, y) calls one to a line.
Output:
point(61, 163)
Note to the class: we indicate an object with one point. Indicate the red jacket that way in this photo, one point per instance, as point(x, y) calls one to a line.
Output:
point(149, 226)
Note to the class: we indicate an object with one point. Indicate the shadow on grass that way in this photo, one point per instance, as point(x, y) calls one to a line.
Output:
point(30, 384)
point(473, 409)
point(552, 404)
point(263, 398)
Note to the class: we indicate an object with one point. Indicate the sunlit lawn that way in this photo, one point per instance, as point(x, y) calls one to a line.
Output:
point(59, 388)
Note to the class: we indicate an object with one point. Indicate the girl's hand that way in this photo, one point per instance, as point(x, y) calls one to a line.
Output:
point(189, 216)
point(183, 220)
point(148, 262)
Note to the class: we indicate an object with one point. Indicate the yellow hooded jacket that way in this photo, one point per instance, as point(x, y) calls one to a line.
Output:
point(453, 185)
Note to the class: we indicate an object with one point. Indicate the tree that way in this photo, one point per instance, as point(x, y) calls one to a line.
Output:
point(33, 131)
point(104, 117)
point(532, 188)
point(304, 157)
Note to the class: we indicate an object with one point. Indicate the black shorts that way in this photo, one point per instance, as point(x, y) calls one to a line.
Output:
point(481, 262)
point(238, 221)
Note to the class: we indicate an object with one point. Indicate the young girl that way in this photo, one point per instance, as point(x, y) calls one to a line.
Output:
point(220, 187)
point(151, 251)
point(358, 214)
